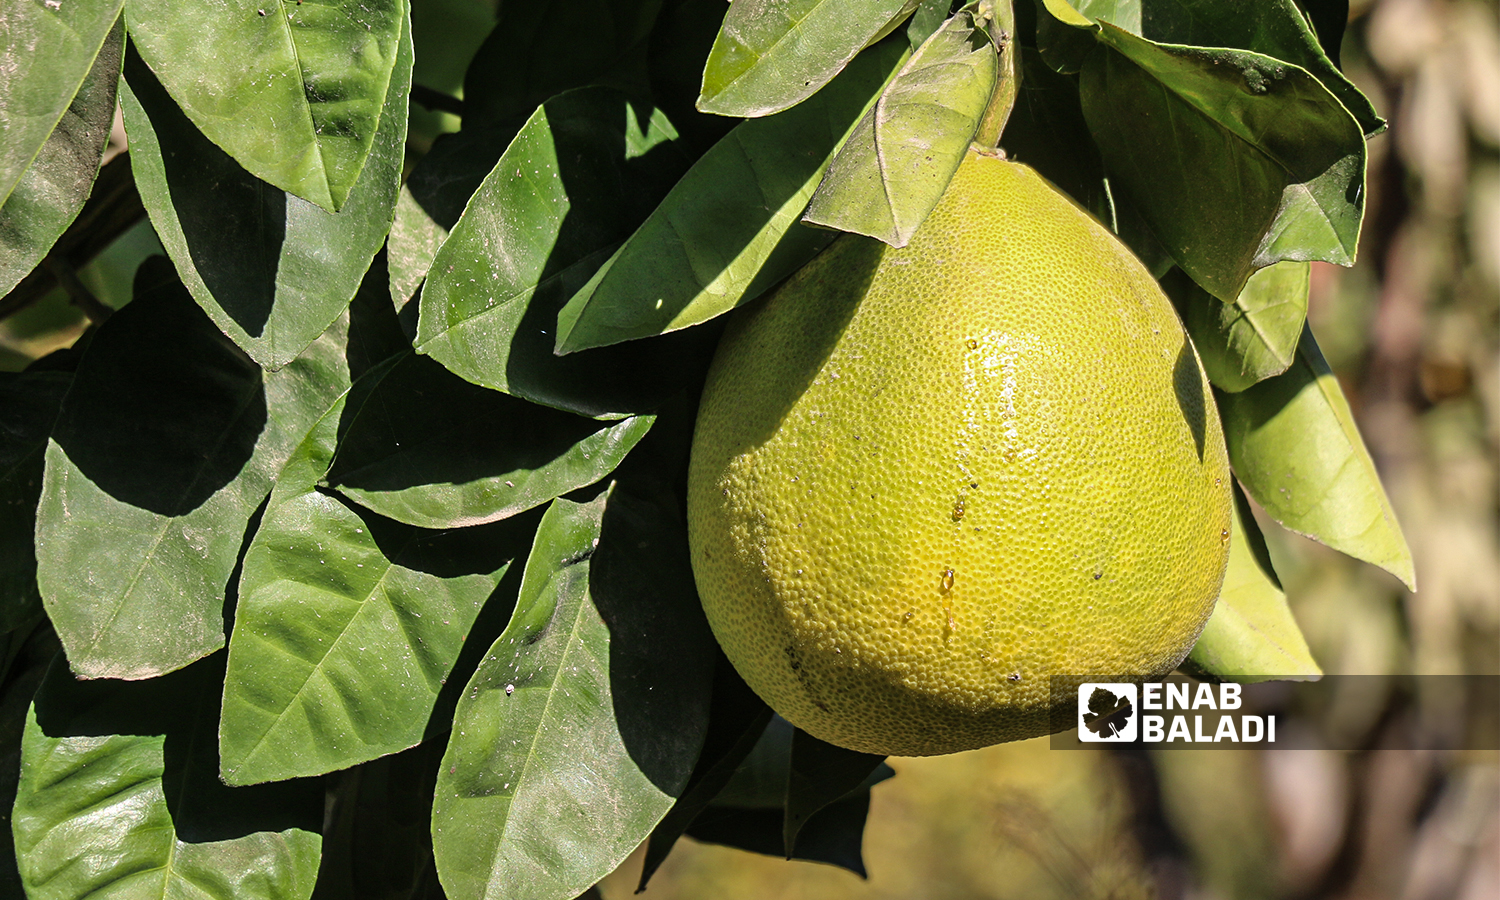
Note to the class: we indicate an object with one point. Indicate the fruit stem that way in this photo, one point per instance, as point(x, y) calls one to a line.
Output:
point(999, 21)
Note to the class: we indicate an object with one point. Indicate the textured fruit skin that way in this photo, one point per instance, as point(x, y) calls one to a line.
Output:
point(927, 483)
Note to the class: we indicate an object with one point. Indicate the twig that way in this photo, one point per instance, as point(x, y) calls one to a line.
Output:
point(112, 209)
point(437, 101)
point(82, 297)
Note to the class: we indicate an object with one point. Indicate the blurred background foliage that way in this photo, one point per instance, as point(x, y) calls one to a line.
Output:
point(1413, 332)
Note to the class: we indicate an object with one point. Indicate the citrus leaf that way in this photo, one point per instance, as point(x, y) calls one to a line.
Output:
point(1294, 446)
point(834, 835)
point(166, 443)
point(429, 449)
point(1252, 338)
point(47, 52)
point(294, 92)
point(584, 170)
point(771, 55)
point(347, 627)
point(46, 197)
point(582, 723)
point(1251, 635)
point(892, 170)
point(1235, 160)
point(28, 406)
point(119, 797)
point(270, 268)
point(1275, 28)
point(818, 774)
point(729, 230)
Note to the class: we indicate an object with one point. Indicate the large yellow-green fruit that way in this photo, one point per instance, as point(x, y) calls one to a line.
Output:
point(934, 489)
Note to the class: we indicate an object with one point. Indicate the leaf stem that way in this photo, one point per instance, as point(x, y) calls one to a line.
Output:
point(999, 21)
point(436, 101)
point(78, 292)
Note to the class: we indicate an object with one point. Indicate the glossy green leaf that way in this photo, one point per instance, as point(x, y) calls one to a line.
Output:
point(584, 171)
point(347, 627)
point(927, 17)
point(46, 52)
point(1234, 159)
point(1255, 336)
point(1294, 446)
point(583, 722)
point(294, 92)
point(119, 798)
point(429, 449)
point(166, 443)
point(541, 48)
point(893, 169)
point(818, 774)
point(270, 268)
point(736, 721)
point(1251, 635)
point(729, 230)
point(1275, 28)
point(46, 197)
point(28, 406)
point(773, 54)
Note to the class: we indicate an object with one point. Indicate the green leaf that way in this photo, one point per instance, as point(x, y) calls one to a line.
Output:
point(119, 798)
point(583, 722)
point(347, 628)
point(294, 92)
point(427, 448)
point(271, 269)
point(895, 166)
point(28, 406)
point(586, 169)
point(43, 201)
point(819, 774)
point(729, 230)
point(1252, 338)
point(771, 55)
point(1294, 446)
point(1234, 159)
point(1275, 28)
point(47, 52)
point(1251, 635)
point(541, 48)
point(165, 445)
